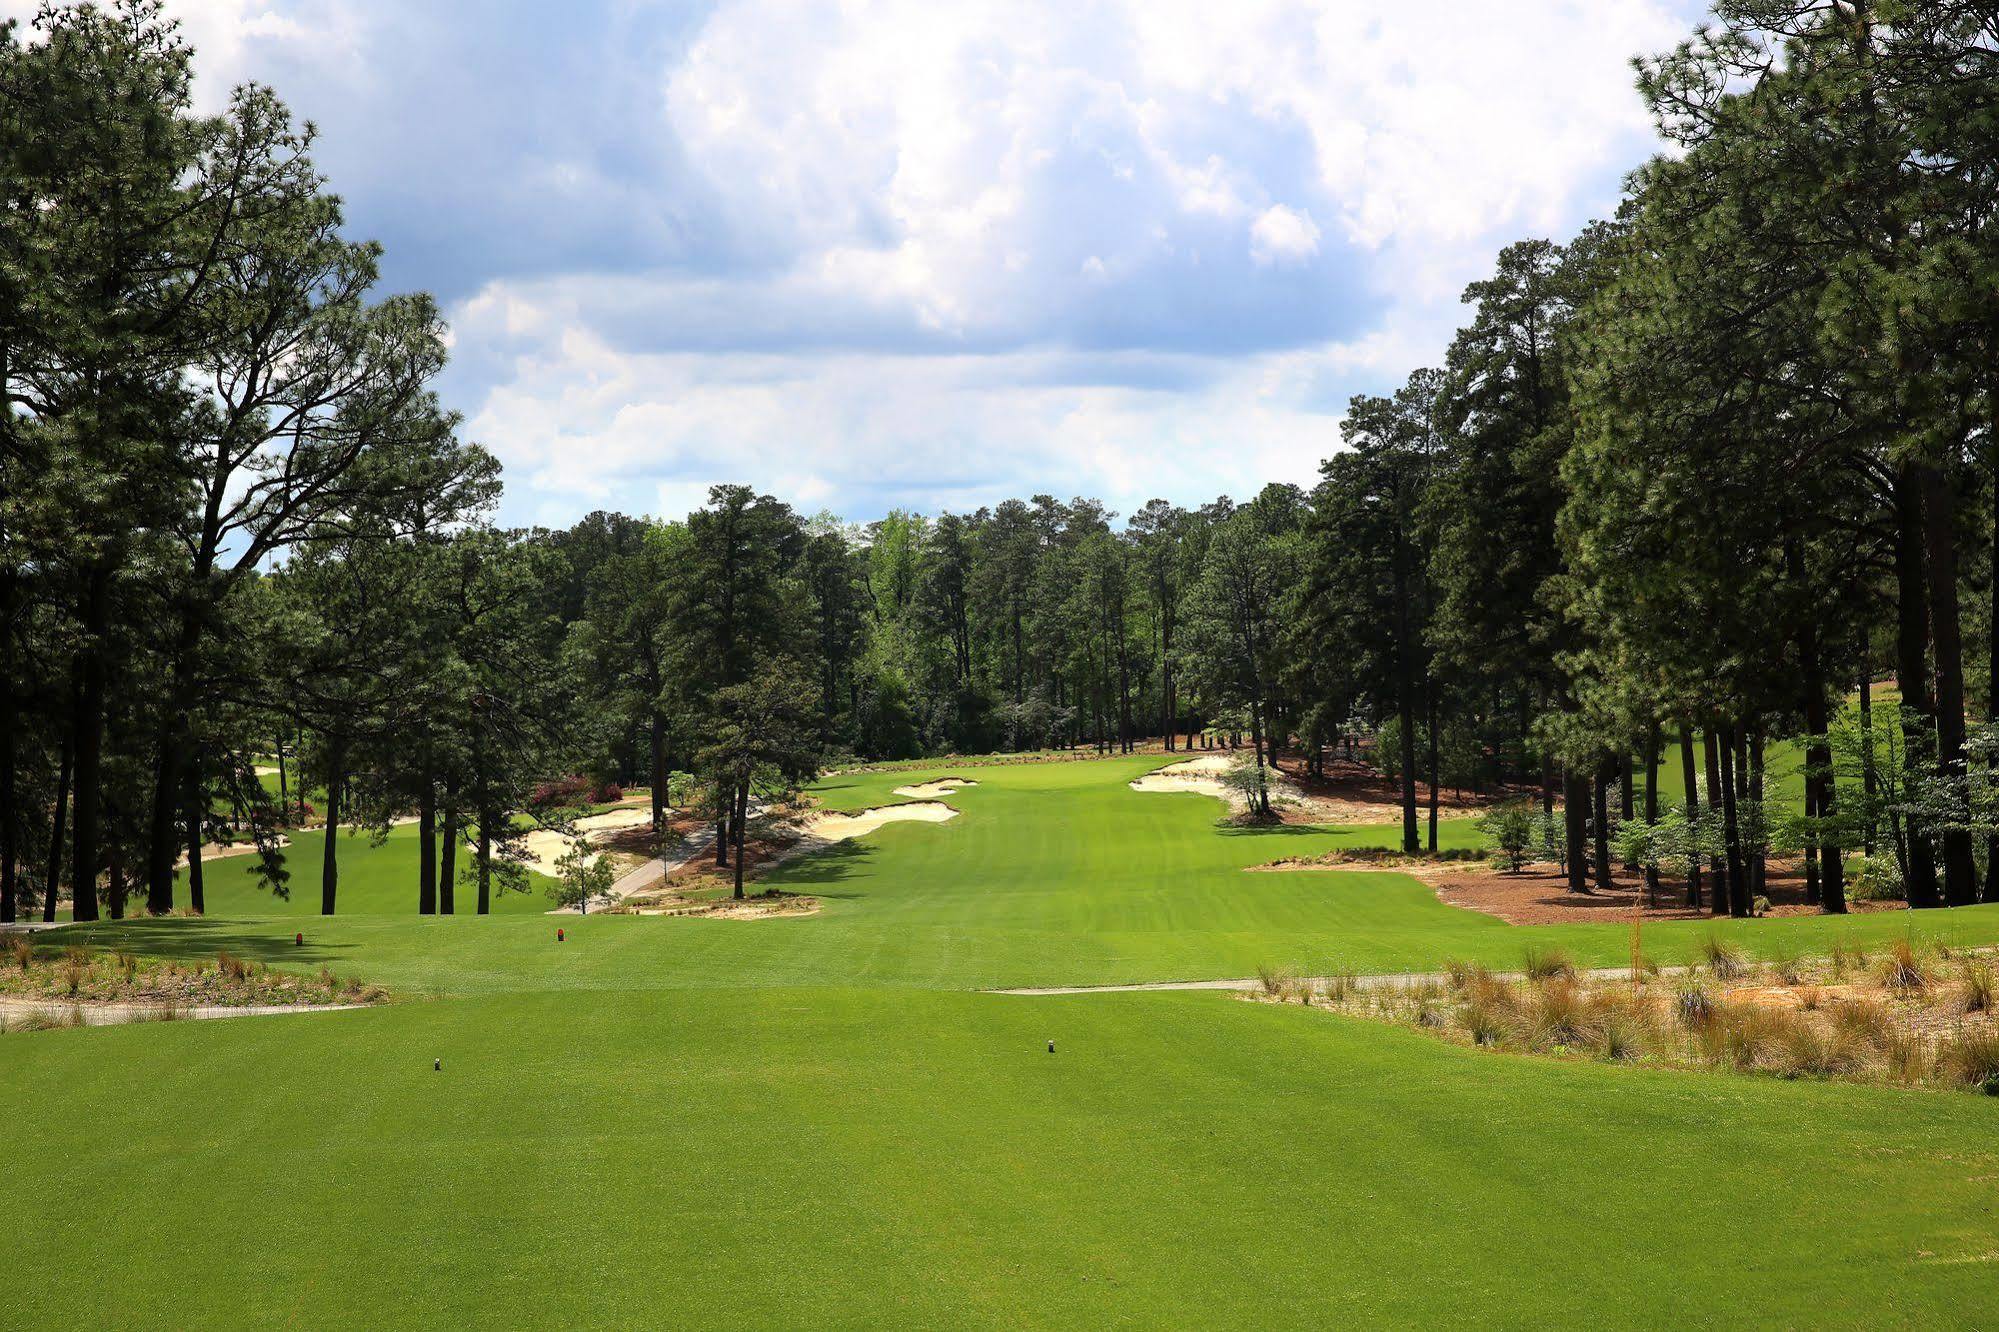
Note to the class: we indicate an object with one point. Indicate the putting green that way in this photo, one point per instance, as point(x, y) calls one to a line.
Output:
point(810, 1121)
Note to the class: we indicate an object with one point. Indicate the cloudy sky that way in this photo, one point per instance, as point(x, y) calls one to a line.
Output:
point(922, 254)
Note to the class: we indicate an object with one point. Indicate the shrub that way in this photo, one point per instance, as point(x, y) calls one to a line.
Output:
point(606, 793)
point(20, 950)
point(1275, 980)
point(1722, 957)
point(1971, 1058)
point(1977, 992)
point(1785, 967)
point(230, 965)
point(1543, 964)
point(1877, 879)
point(126, 964)
point(1510, 829)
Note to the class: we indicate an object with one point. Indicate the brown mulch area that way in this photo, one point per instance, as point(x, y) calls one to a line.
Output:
point(1539, 895)
point(1363, 787)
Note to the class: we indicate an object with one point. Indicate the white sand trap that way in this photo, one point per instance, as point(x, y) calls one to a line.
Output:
point(265, 770)
point(545, 846)
point(615, 820)
point(943, 786)
point(1202, 776)
point(839, 827)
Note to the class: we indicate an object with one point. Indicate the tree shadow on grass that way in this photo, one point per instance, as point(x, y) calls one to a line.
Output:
point(196, 938)
point(810, 873)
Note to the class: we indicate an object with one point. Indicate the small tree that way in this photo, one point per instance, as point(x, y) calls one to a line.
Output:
point(1513, 829)
point(581, 874)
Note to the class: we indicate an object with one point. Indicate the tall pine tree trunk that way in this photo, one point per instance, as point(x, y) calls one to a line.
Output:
point(1723, 889)
point(52, 882)
point(1600, 832)
point(1575, 827)
point(426, 838)
point(1654, 743)
point(662, 777)
point(329, 869)
point(1960, 872)
point(87, 725)
point(1912, 631)
point(1738, 886)
point(447, 855)
point(197, 896)
point(1690, 783)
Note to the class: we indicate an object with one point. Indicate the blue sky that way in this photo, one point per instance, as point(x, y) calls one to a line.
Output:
point(869, 255)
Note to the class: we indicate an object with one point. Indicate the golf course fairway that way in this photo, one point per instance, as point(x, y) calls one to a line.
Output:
point(827, 1121)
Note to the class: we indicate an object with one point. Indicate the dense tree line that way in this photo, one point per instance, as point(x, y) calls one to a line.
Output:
point(1679, 486)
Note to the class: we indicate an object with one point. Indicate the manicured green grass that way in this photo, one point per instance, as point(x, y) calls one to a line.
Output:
point(855, 1158)
point(811, 1122)
point(375, 879)
point(1053, 874)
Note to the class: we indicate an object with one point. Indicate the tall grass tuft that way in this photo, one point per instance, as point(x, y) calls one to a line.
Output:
point(20, 951)
point(1970, 1058)
point(1693, 1003)
point(1723, 958)
point(1545, 964)
point(1822, 1050)
point(1903, 969)
point(1978, 990)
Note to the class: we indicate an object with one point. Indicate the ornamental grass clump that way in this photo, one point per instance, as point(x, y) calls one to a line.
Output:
point(1556, 1015)
point(1903, 969)
point(1969, 1057)
point(20, 951)
point(1977, 989)
point(1723, 958)
point(1693, 1003)
point(1821, 1050)
point(1545, 964)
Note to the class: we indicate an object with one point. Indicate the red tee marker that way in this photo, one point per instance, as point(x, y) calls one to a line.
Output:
point(558, 936)
point(298, 940)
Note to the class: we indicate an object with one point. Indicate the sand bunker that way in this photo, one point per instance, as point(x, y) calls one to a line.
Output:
point(943, 786)
point(1203, 776)
point(828, 828)
point(545, 846)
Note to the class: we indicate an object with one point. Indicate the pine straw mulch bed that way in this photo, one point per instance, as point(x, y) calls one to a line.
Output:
point(86, 976)
point(1539, 895)
point(1907, 1015)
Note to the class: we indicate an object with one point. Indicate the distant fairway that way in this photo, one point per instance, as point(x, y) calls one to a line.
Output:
point(811, 1121)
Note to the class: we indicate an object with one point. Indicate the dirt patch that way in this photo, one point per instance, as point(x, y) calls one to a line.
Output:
point(1539, 895)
